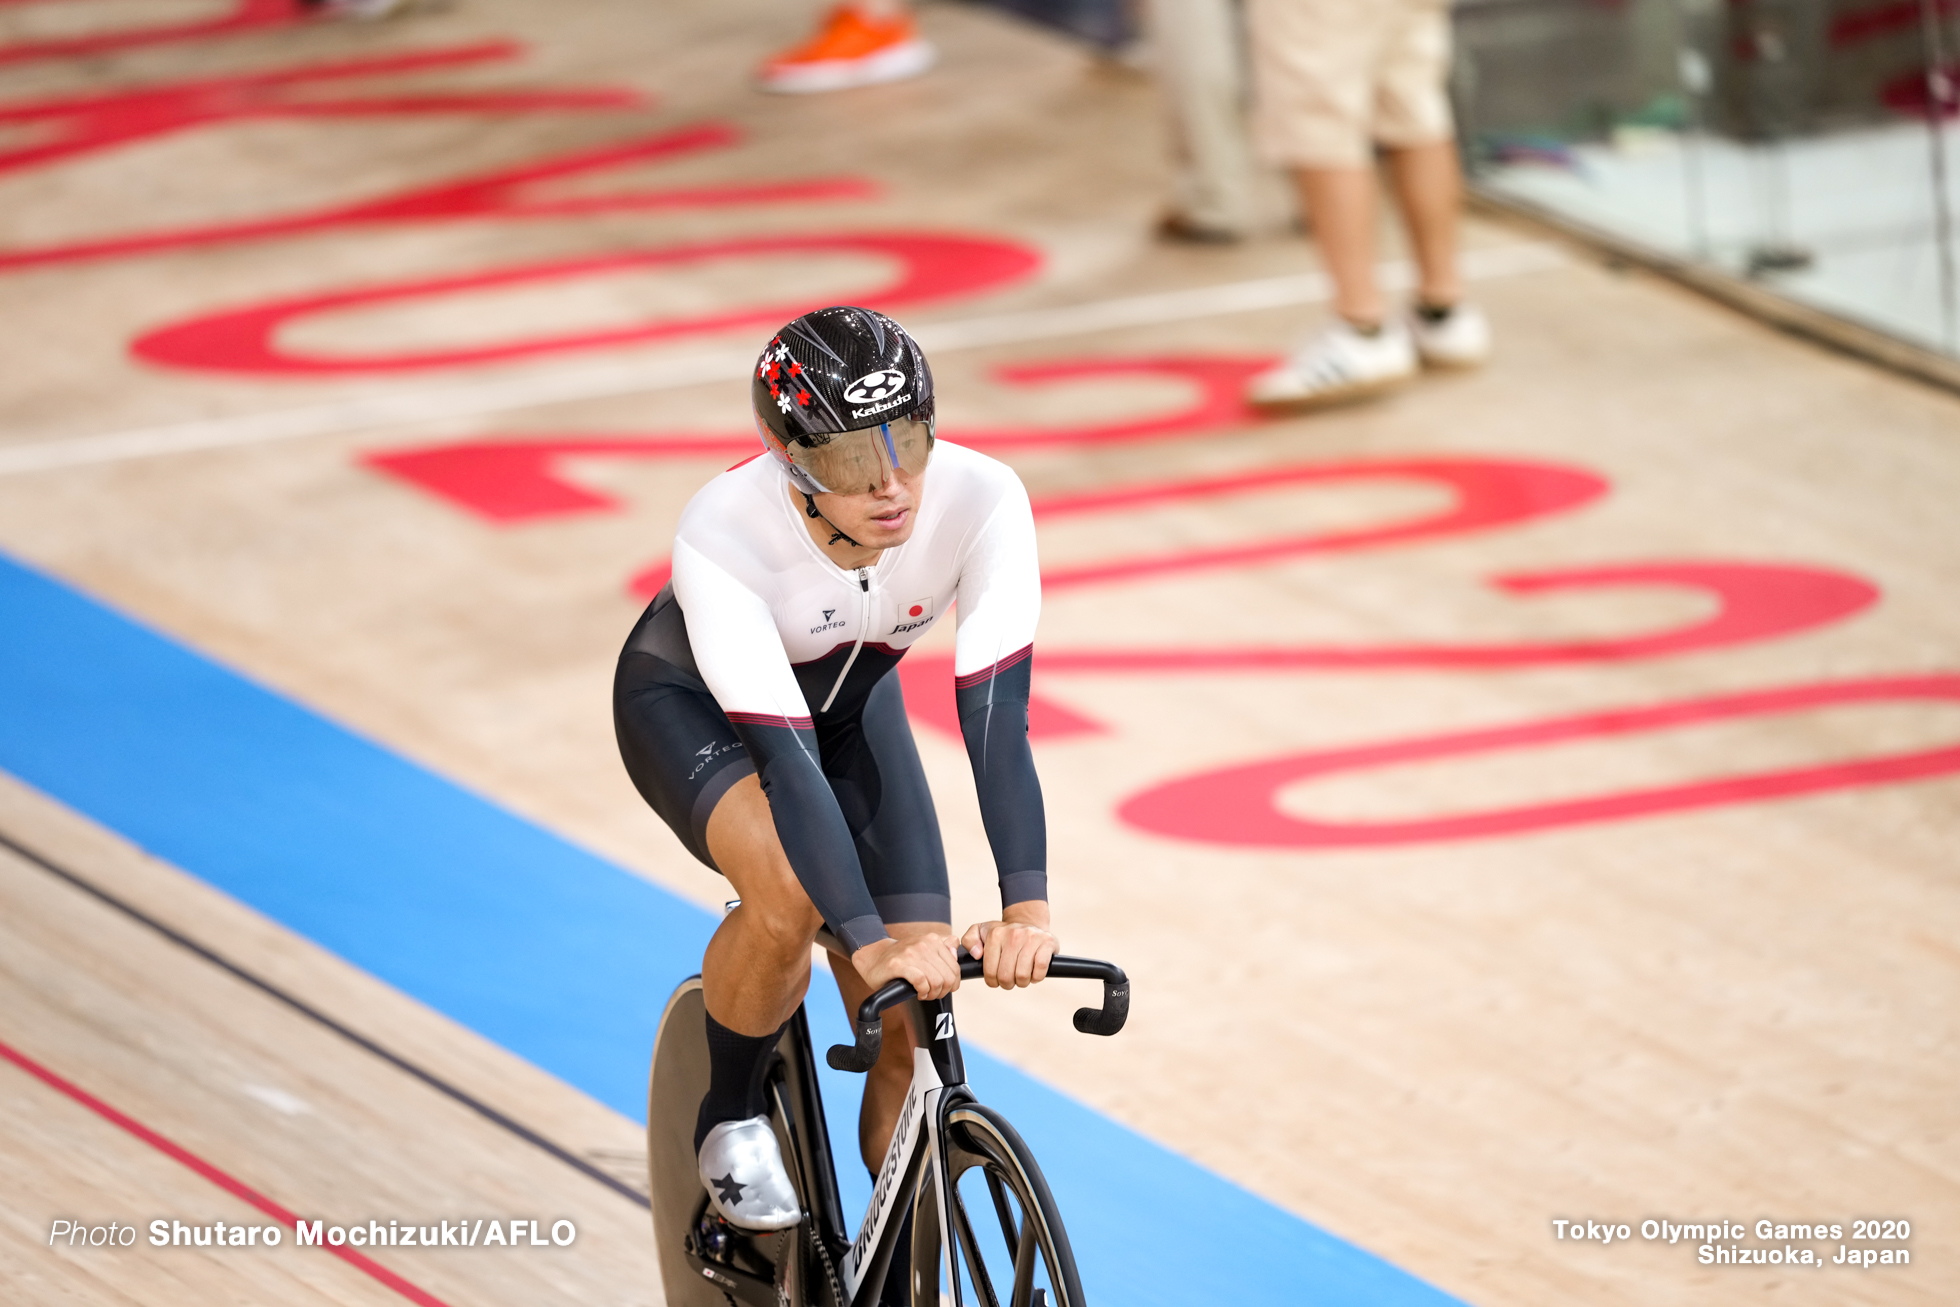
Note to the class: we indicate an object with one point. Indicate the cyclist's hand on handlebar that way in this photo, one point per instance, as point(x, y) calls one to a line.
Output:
point(1016, 950)
point(928, 962)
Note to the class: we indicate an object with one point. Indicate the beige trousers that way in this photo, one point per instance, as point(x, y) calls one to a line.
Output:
point(1335, 78)
point(1201, 68)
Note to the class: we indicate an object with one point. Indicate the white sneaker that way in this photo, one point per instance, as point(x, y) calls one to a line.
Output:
point(742, 1170)
point(1462, 340)
point(1338, 365)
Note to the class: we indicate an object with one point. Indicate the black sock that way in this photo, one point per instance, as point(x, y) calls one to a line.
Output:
point(735, 1063)
point(1434, 313)
point(897, 1291)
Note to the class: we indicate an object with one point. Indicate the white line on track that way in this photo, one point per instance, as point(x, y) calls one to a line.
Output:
point(600, 381)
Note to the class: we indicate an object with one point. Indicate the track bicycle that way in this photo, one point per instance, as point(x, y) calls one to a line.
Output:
point(983, 1220)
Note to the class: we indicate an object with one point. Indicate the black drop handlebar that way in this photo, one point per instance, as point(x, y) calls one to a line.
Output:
point(1105, 1020)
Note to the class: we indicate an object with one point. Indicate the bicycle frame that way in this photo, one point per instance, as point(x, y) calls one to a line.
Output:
point(938, 1079)
point(919, 1141)
point(938, 1085)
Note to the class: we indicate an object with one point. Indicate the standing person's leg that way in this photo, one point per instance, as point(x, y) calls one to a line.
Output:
point(1200, 69)
point(1414, 122)
point(1342, 210)
point(1429, 191)
point(1315, 63)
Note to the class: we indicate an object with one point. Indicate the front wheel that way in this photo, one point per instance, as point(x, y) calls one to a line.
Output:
point(1009, 1237)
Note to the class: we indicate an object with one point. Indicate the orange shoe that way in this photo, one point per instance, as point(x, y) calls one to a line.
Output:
point(850, 50)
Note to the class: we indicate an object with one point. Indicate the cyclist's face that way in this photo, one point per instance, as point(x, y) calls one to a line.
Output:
point(880, 518)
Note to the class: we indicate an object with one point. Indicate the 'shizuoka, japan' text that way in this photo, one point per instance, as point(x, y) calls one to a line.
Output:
point(1776, 1243)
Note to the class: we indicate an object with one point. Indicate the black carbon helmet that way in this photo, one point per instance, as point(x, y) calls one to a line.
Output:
point(839, 369)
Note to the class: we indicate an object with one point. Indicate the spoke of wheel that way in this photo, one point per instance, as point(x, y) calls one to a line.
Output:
point(999, 1192)
point(976, 1265)
point(1024, 1263)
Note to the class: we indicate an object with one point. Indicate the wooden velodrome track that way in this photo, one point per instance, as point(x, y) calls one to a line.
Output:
point(1533, 798)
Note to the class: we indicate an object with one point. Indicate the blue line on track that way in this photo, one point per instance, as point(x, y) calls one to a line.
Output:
point(515, 932)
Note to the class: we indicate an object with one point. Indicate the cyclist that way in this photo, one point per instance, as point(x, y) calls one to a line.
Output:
point(757, 713)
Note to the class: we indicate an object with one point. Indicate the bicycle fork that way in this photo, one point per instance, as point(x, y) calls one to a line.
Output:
point(938, 1083)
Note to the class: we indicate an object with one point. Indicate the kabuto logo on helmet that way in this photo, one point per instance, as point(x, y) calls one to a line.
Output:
point(803, 393)
point(874, 386)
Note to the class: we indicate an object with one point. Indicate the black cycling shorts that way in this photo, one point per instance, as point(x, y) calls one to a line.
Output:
point(683, 756)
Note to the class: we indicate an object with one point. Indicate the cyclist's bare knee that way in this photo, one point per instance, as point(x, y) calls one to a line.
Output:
point(782, 923)
point(757, 967)
point(742, 839)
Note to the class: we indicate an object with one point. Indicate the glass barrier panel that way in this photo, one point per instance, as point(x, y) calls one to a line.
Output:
point(1804, 145)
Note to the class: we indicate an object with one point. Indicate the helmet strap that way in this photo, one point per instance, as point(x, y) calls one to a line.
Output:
point(810, 507)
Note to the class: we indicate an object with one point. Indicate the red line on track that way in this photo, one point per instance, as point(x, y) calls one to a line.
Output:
point(224, 1180)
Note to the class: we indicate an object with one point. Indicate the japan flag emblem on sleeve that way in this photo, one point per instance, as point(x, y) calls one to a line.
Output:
point(917, 609)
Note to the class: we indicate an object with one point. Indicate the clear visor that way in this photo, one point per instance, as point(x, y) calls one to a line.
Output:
point(854, 462)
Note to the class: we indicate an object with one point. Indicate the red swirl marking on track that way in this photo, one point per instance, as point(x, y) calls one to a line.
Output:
point(1214, 388)
point(933, 266)
point(243, 16)
point(1235, 805)
point(519, 480)
point(83, 124)
point(1486, 493)
point(503, 193)
point(1753, 601)
point(223, 1179)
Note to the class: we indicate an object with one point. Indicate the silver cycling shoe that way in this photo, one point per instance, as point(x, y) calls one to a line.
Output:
point(742, 1170)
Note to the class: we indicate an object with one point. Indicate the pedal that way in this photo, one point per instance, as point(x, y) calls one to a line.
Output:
point(711, 1237)
point(728, 1258)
